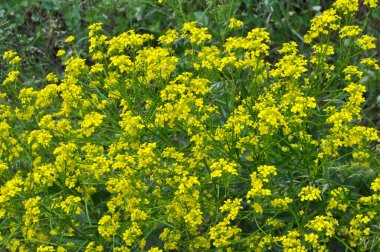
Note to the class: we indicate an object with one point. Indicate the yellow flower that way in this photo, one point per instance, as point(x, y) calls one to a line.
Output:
point(257, 186)
point(15, 60)
point(323, 223)
point(171, 239)
point(70, 39)
point(61, 52)
point(275, 222)
point(371, 3)
point(370, 62)
point(209, 57)
point(348, 7)
point(91, 247)
point(291, 242)
point(232, 207)
point(155, 249)
point(52, 78)
point(97, 68)
point(323, 49)
point(3, 167)
point(366, 42)
point(75, 67)
point(90, 122)
point(38, 138)
point(170, 36)
point(223, 165)
point(194, 217)
point(375, 185)
point(108, 225)
point(131, 125)
point(223, 233)
point(266, 170)
point(338, 199)
point(32, 211)
point(12, 57)
point(43, 248)
point(310, 193)
point(196, 35)
point(94, 28)
point(9, 54)
point(155, 63)
point(270, 119)
point(281, 202)
point(349, 31)
point(322, 25)
point(351, 71)
point(11, 77)
point(122, 62)
point(312, 238)
point(235, 23)
point(118, 44)
point(70, 205)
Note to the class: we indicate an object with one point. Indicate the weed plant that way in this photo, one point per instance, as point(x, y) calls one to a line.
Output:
point(195, 142)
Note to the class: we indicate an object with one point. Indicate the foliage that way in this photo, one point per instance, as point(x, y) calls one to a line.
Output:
point(210, 137)
point(39, 27)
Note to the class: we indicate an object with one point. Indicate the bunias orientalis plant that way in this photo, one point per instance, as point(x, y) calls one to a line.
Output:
point(151, 148)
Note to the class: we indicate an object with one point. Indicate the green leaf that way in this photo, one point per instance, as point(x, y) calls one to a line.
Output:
point(72, 18)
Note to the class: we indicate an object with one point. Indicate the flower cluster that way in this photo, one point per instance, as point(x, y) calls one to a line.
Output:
point(141, 147)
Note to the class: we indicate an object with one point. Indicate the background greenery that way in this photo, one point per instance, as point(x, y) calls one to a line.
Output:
point(36, 29)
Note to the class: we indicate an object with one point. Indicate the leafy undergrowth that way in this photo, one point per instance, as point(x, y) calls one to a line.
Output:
point(181, 144)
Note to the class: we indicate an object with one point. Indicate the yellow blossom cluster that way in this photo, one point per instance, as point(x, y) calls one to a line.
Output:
point(140, 147)
point(235, 23)
point(310, 193)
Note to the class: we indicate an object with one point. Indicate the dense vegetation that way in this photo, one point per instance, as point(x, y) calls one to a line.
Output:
point(189, 126)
